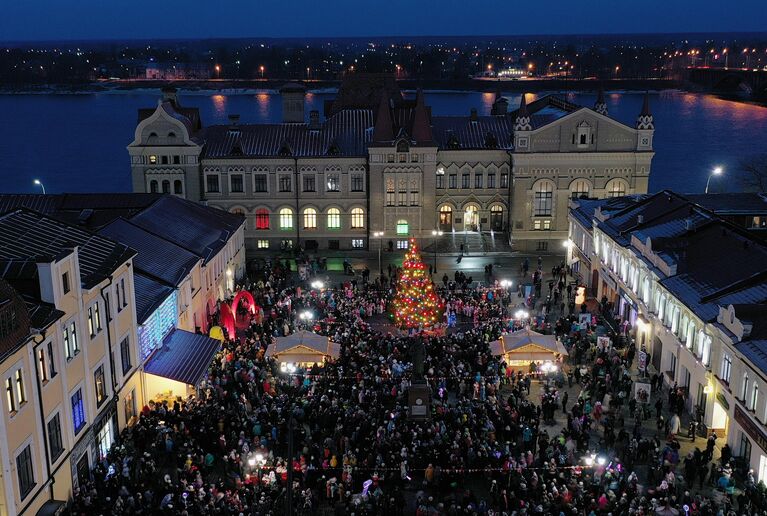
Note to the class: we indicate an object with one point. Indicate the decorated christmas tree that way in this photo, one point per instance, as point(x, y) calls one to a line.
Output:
point(416, 304)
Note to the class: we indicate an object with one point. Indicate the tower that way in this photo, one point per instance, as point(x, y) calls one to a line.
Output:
point(500, 105)
point(600, 106)
point(522, 127)
point(645, 126)
point(293, 103)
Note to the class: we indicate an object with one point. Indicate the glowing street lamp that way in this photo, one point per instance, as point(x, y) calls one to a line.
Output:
point(718, 171)
point(318, 285)
point(434, 234)
point(379, 235)
point(306, 315)
point(40, 184)
point(261, 69)
point(521, 314)
point(218, 71)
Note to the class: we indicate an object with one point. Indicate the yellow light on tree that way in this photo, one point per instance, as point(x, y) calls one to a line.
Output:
point(415, 303)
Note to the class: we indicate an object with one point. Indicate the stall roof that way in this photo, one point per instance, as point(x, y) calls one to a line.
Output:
point(183, 357)
point(523, 338)
point(304, 341)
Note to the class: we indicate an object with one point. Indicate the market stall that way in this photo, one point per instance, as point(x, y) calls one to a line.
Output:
point(302, 349)
point(525, 346)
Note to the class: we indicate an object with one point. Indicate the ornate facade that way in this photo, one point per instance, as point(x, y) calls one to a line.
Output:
point(378, 161)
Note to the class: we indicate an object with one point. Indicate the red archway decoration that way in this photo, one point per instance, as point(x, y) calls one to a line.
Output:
point(227, 320)
point(250, 303)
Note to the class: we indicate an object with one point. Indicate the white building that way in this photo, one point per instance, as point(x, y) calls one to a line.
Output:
point(692, 285)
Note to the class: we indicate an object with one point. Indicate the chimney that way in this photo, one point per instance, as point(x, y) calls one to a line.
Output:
point(314, 120)
point(170, 94)
point(474, 117)
point(293, 103)
point(234, 121)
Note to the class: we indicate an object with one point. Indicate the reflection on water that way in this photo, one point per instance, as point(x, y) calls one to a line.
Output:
point(693, 132)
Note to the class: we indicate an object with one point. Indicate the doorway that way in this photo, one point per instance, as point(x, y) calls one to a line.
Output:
point(471, 218)
point(446, 218)
point(496, 218)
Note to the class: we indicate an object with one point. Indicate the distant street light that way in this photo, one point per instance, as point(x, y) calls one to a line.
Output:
point(716, 172)
point(40, 184)
point(435, 233)
point(261, 69)
point(379, 235)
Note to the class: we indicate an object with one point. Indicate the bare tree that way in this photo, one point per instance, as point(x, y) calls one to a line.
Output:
point(753, 175)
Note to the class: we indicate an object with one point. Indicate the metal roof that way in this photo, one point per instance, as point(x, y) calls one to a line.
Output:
point(149, 294)
point(183, 357)
point(157, 256)
point(469, 134)
point(199, 229)
point(346, 133)
point(26, 234)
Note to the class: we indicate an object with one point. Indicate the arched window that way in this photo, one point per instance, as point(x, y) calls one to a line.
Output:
point(153, 186)
point(402, 227)
point(171, 134)
point(544, 199)
point(262, 218)
point(334, 218)
point(580, 188)
point(286, 218)
point(358, 218)
point(166, 186)
point(446, 217)
point(616, 188)
point(178, 187)
point(496, 217)
point(310, 218)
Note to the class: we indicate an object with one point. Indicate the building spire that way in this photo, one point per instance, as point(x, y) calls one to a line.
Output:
point(600, 106)
point(421, 131)
point(383, 130)
point(645, 119)
point(522, 121)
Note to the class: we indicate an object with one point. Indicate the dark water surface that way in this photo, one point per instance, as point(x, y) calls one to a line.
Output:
point(77, 143)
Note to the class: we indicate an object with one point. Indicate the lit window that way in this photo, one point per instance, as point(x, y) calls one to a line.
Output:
point(10, 398)
point(334, 218)
point(334, 184)
point(358, 218)
point(579, 188)
point(358, 243)
point(153, 160)
point(263, 244)
point(286, 218)
point(544, 199)
point(402, 227)
point(616, 188)
point(78, 411)
point(402, 244)
point(262, 218)
point(100, 384)
point(310, 218)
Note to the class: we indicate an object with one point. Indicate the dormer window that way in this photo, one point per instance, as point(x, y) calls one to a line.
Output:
point(583, 137)
point(402, 146)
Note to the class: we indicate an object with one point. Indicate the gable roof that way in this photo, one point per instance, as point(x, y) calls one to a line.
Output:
point(184, 357)
point(26, 235)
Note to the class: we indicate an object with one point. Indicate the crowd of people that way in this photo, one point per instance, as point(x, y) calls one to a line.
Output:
point(342, 434)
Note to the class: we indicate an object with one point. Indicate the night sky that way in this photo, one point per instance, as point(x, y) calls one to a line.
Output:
point(124, 19)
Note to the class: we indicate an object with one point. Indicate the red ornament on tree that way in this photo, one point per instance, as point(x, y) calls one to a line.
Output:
point(416, 304)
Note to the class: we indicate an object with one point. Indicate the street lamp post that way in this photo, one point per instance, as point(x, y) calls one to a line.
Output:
point(716, 172)
point(379, 235)
point(435, 233)
point(40, 184)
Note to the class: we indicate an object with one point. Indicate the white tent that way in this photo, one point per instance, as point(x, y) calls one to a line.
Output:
point(304, 348)
point(525, 346)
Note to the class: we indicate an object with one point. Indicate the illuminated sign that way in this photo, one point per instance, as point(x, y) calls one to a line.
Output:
point(158, 325)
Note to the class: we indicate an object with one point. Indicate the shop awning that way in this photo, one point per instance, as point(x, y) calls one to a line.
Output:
point(183, 357)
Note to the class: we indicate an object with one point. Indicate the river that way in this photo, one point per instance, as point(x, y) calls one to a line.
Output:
point(76, 143)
